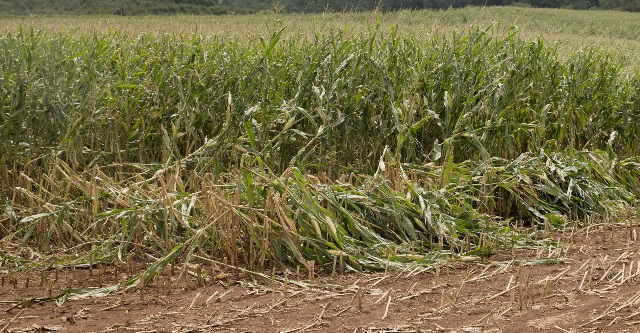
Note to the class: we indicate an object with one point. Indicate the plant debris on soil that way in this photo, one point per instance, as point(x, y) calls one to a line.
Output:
point(589, 286)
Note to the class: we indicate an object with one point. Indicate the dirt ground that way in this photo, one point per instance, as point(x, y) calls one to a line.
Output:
point(592, 288)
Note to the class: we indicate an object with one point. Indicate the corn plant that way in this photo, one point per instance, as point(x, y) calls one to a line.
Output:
point(381, 148)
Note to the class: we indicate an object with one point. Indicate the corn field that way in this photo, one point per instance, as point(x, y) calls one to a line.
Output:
point(375, 150)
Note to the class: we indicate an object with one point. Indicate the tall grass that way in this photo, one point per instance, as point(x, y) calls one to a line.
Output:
point(285, 149)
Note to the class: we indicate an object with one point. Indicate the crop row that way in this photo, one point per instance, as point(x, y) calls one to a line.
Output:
point(379, 147)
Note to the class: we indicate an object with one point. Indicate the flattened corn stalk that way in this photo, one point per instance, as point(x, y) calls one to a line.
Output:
point(253, 151)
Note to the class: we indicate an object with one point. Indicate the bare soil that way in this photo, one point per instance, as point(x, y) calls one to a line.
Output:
point(593, 288)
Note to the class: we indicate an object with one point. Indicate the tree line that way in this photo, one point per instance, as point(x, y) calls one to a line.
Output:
point(150, 7)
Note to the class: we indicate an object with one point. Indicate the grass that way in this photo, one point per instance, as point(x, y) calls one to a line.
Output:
point(379, 148)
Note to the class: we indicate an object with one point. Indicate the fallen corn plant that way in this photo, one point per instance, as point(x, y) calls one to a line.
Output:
point(381, 149)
